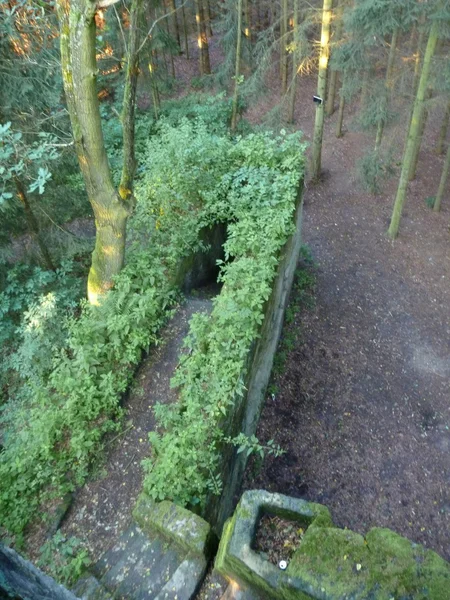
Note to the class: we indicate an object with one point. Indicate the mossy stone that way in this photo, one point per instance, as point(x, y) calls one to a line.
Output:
point(330, 563)
point(185, 528)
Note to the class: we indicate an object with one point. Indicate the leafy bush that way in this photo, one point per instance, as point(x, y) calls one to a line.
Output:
point(256, 197)
point(192, 179)
point(64, 558)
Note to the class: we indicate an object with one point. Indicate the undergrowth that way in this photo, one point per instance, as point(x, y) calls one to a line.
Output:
point(255, 195)
point(54, 423)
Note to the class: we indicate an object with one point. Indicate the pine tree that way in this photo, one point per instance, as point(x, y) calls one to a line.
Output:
point(316, 162)
point(443, 182)
point(413, 133)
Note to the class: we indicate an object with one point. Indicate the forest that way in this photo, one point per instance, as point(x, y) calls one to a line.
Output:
point(128, 128)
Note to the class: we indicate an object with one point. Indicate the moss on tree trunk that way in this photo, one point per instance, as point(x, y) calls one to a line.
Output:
point(77, 39)
point(413, 133)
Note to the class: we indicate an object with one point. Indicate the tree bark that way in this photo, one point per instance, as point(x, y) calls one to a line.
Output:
point(209, 18)
point(340, 119)
point(202, 38)
point(388, 82)
point(413, 132)
point(185, 32)
point(443, 131)
point(443, 182)
point(77, 40)
point(237, 71)
point(316, 162)
point(176, 27)
point(295, 62)
point(33, 225)
point(248, 24)
point(284, 58)
point(129, 102)
point(329, 110)
point(415, 158)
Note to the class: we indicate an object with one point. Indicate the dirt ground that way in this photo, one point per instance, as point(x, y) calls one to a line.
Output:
point(363, 406)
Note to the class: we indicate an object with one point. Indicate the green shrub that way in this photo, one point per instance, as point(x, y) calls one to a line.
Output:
point(192, 179)
point(256, 197)
point(64, 558)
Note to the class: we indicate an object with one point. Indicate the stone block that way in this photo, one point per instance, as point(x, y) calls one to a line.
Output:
point(175, 523)
point(330, 563)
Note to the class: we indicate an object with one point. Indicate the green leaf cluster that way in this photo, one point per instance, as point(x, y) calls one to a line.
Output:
point(55, 422)
point(251, 184)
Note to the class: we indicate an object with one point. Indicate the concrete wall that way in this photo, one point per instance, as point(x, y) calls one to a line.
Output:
point(247, 410)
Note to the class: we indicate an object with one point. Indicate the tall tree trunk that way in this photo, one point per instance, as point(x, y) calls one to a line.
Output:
point(237, 70)
point(284, 57)
point(202, 38)
point(329, 110)
point(443, 131)
point(129, 101)
point(340, 119)
point(295, 62)
point(185, 32)
point(388, 82)
point(423, 123)
point(77, 39)
point(154, 87)
point(316, 162)
point(248, 20)
point(209, 18)
point(365, 88)
point(413, 132)
point(33, 225)
point(172, 62)
point(176, 27)
point(443, 182)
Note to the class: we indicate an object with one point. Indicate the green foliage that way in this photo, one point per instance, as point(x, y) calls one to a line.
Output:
point(57, 413)
point(251, 185)
point(373, 169)
point(64, 558)
point(24, 161)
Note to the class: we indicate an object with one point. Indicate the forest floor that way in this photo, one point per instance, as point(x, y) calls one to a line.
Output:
point(362, 402)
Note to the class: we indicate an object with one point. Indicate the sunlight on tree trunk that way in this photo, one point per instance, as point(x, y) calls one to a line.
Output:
point(77, 39)
point(334, 74)
point(202, 38)
point(413, 133)
point(316, 162)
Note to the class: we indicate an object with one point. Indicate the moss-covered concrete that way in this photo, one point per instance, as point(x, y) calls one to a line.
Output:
point(188, 530)
point(247, 409)
point(330, 563)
